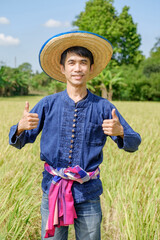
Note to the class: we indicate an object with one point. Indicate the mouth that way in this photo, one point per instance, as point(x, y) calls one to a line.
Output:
point(77, 76)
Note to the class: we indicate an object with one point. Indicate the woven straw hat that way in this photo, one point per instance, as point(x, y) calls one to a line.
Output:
point(50, 53)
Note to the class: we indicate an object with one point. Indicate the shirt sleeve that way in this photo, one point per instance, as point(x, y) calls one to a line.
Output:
point(29, 136)
point(131, 139)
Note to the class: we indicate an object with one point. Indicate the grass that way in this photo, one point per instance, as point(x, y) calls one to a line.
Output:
point(131, 181)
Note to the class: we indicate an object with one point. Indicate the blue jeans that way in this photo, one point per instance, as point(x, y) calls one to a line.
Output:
point(87, 225)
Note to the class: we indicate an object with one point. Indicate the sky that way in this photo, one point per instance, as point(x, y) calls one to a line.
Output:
point(26, 25)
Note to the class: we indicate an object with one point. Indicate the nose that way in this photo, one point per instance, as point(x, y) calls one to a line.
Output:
point(77, 67)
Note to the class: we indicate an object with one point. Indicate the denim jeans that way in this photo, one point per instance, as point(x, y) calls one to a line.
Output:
point(87, 225)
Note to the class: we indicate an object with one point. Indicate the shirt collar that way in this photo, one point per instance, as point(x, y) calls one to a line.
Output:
point(81, 104)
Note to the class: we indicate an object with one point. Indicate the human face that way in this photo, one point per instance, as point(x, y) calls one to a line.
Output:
point(76, 69)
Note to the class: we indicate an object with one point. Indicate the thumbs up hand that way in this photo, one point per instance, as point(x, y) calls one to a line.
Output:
point(28, 121)
point(113, 127)
point(26, 107)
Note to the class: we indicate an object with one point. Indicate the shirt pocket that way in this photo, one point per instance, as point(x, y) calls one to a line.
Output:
point(94, 135)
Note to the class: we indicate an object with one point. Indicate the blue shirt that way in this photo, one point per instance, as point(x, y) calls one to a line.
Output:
point(72, 135)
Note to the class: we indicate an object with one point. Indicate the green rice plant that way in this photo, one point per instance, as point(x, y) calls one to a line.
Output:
point(131, 181)
point(131, 197)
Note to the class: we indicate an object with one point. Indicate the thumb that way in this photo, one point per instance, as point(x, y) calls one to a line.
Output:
point(27, 107)
point(114, 116)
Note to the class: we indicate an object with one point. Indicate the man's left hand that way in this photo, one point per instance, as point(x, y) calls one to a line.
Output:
point(113, 127)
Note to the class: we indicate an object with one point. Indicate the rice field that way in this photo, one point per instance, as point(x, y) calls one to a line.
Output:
point(131, 181)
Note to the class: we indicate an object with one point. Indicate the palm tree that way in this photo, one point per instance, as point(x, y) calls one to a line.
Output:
point(106, 80)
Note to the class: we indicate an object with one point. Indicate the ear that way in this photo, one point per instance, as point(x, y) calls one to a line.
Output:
point(91, 68)
point(62, 68)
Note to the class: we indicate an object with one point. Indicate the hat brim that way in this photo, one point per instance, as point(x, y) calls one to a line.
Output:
point(50, 53)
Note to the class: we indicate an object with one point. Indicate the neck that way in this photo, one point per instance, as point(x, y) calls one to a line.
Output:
point(76, 93)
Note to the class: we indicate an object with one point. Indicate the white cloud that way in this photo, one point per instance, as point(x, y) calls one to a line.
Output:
point(51, 23)
point(8, 40)
point(4, 20)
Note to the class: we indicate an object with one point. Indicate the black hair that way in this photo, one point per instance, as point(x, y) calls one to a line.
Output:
point(81, 51)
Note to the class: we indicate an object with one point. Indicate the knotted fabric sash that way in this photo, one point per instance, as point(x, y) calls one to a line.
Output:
point(61, 202)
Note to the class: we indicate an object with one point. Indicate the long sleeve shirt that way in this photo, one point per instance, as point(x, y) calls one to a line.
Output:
point(72, 135)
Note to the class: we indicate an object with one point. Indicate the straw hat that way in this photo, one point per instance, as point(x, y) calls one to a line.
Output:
point(50, 53)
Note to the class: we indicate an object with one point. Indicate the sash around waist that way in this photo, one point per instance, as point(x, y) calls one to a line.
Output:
point(61, 202)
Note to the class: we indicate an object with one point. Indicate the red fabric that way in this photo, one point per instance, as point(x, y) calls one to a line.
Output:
point(61, 206)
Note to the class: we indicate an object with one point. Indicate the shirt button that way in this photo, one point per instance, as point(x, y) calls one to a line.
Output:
point(71, 146)
point(74, 120)
point(70, 151)
point(70, 157)
point(72, 141)
point(75, 110)
point(74, 125)
point(70, 162)
point(73, 130)
point(73, 136)
point(75, 115)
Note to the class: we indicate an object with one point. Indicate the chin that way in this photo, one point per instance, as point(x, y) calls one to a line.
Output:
point(77, 82)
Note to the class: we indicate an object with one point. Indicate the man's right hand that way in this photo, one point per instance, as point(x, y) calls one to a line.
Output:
point(29, 120)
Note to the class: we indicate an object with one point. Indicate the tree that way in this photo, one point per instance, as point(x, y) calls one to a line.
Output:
point(26, 67)
point(151, 70)
point(106, 80)
point(97, 17)
point(40, 81)
point(101, 17)
point(13, 82)
point(126, 39)
point(56, 86)
point(155, 51)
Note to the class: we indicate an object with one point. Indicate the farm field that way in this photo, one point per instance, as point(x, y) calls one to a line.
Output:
point(131, 181)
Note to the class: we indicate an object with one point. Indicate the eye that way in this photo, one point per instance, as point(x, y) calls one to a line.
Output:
point(84, 62)
point(71, 63)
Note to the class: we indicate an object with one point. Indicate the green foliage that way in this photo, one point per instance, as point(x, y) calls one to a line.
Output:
point(56, 86)
point(101, 17)
point(43, 82)
point(155, 51)
point(141, 77)
point(127, 40)
point(126, 82)
point(97, 17)
point(13, 81)
point(40, 81)
point(26, 67)
point(106, 80)
point(139, 86)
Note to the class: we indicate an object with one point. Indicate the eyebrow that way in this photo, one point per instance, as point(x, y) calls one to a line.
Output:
point(82, 60)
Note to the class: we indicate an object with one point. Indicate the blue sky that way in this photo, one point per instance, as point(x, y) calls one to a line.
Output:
point(26, 25)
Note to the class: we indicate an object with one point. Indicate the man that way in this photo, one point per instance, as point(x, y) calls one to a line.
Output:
point(75, 124)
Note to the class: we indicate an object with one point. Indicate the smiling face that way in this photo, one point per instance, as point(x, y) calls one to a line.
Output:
point(76, 69)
